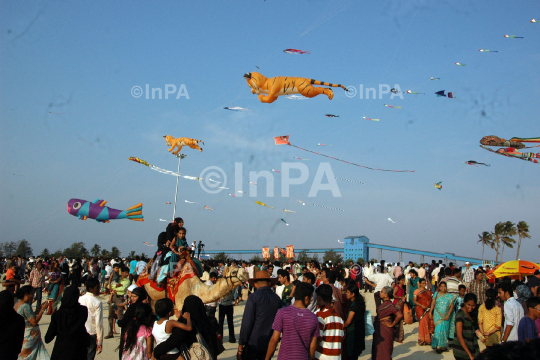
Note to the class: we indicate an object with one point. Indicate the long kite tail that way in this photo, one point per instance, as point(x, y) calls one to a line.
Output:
point(135, 213)
point(347, 162)
point(317, 82)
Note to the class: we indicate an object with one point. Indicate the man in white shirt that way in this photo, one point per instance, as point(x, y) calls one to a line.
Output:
point(468, 274)
point(379, 281)
point(513, 312)
point(211, 307)
point(94, 323)
point(368, 271)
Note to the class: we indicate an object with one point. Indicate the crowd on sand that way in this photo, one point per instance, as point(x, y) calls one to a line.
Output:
point(308, 310)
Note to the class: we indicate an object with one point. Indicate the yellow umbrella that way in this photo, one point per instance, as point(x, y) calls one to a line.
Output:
point(515, 269)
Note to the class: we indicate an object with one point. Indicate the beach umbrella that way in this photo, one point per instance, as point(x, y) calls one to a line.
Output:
point(515, 269)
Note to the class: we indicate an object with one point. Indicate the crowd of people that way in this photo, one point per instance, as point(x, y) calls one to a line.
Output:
point(297, 310)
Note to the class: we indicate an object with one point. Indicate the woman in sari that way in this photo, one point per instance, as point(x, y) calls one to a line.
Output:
point(354, 326)
point(388, 316)
point(413, 285)
point(441, 309)
point(400, 297)
point(56, 288)
point(33, 347)
point(422, 301)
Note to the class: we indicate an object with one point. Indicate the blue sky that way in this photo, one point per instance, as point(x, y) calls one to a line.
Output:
point(83, 59)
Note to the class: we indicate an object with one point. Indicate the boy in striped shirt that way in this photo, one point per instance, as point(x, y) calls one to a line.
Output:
point(330, 326)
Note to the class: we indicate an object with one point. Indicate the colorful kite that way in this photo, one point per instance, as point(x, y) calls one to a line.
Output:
point(296, 97)
point(512, 152)
point(513, 37)
point(301, 202)
point(460, 64)
point(147, 244)
point(253, 183)
point(514, 142)
point(392, 106)
point(392, 221)
point(370, 119)
point(487, 50)
point(331, 116)
point(438, 185)
point(97, 210)
point(289, 211)
point(415, 93)
point(269, 89)
point(275, 170)
point(208, 207)
point(534, 21)
point(190, 202)
point(432, 78)
point(168, 203)
point(285, 222)
point(233, 195)
point(295, 51)
point(441, 93)
point(236, 108)
point(294, 157)
point(472, 162)
point(163, 171)
point(262, 204)
point(181, 142)
point(284, 140)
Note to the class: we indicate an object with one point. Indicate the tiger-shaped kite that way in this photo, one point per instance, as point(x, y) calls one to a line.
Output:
point(269, 89)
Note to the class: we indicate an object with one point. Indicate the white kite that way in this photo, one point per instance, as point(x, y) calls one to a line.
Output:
point(392, 221)
point(190, 202)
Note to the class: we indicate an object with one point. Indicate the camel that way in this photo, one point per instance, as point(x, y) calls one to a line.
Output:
point(232, 277)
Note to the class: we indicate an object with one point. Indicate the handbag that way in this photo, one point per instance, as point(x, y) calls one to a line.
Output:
point(198, 350)
point(368, 321)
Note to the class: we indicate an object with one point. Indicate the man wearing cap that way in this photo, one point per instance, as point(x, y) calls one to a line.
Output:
point(468, 274)
point(534, 283)
point(259, 313)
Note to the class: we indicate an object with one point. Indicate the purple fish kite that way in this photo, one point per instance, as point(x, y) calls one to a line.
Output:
point(97, 210)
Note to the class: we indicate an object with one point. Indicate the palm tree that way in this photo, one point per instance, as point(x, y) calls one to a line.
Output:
point(498, 233)
point(523, 233)
point(96, 250)
point(509, 231)
point(486, 239)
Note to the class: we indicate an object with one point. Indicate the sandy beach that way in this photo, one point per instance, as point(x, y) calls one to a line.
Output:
point(408, 350)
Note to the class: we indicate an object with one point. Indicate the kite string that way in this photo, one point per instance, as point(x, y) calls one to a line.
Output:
point(347, 162)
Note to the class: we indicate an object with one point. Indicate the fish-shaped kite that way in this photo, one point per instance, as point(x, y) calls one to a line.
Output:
point(331, 115)
point(208, 207)
point(392, 106)
point(295, 51)
point(513, 37)
point(472, 162)
point(289, 211)
point(415, 93)
point(262, 204)
point(97, 210)
point(285, 222)
point(438, 185)
point(370, 119)
point(432, 78)
point(460, 64)
point(441, 93)
point(487, 50)
point(236, 108)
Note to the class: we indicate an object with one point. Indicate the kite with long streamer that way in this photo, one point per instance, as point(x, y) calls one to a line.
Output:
point(513, 37)
point(301, 202)
point(147, 244)
point(295, 51)
point(263, 204)
point(331, 115)
point(434, 78)
point(284, 140)
point(289, 211)
point(190, 202)
point(319, 144)
point(370, 119)
point(299, 158)
point(513, 153)
point(514, 142)
point(534, 21)
point(163, 171)
point(414, 92)
point(236, 108)
point(392, 221)
point(487, 50)
point(474, 163)
point(392, 106)
point(460, 64)
point(285, 222)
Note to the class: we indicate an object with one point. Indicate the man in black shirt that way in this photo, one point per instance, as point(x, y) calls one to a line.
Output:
point(534, 283)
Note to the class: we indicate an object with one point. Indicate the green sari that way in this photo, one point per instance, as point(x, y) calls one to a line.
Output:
point(442, 327)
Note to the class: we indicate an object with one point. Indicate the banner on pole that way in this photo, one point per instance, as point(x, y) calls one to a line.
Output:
point(276, 252)
point(266, 252)
point(290, 251)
